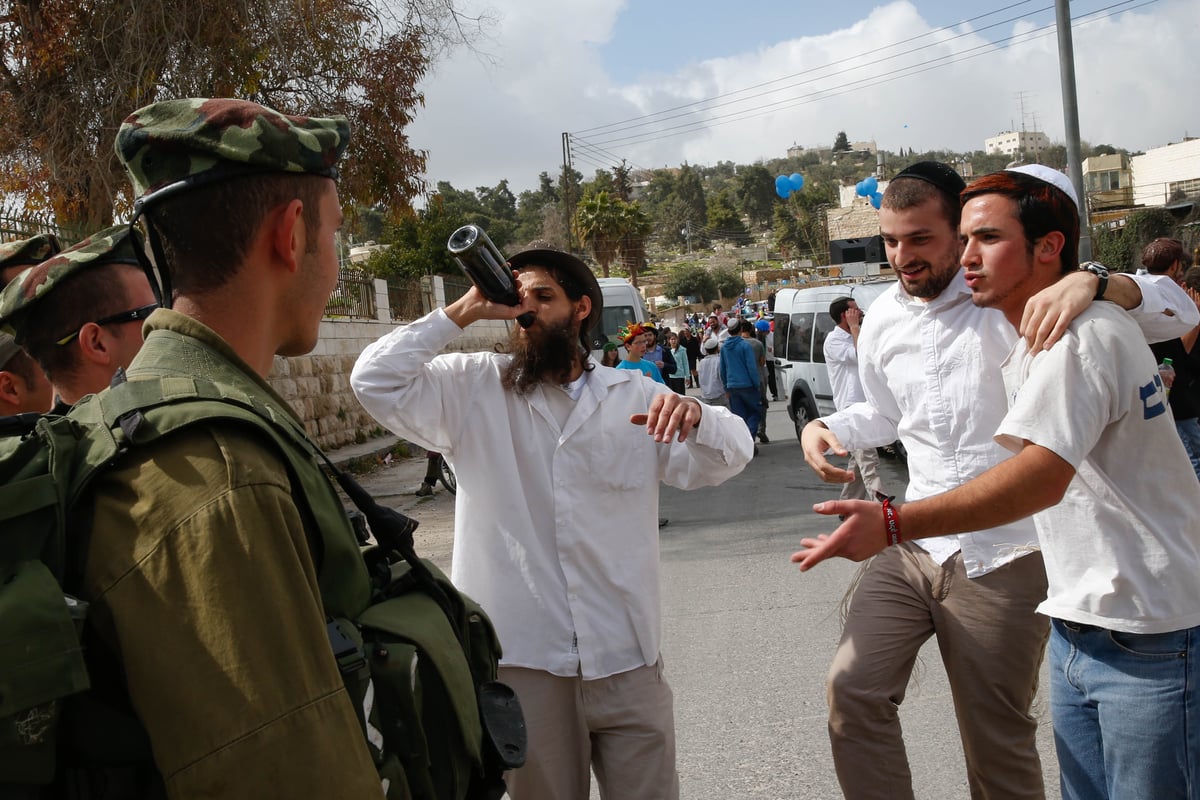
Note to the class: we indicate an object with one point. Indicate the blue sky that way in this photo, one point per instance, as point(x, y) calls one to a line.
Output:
point(906, 73)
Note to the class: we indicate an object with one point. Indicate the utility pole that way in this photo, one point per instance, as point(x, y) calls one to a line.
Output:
point(566, 192)
point(1066, 68)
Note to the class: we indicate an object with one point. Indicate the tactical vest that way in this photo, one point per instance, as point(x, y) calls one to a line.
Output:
point(441, 727)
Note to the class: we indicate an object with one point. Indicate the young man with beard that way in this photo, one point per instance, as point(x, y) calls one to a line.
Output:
point(558, 466)
point(930, 362)
point(1121, 542)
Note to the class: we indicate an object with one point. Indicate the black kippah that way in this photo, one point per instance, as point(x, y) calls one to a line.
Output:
point(935, 173)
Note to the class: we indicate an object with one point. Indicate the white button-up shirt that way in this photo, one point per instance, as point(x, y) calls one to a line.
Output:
point(556, 526)
point(931, 374)
point(841, 359)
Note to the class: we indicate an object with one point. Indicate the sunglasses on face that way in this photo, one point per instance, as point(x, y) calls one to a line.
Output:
point(125, 316)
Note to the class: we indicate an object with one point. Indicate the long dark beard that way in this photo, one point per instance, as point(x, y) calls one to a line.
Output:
point(544, 354)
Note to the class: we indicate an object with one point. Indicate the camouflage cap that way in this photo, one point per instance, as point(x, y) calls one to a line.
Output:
point(116, 245)
point(28, 252)
point(174, 144)
point(8, 349)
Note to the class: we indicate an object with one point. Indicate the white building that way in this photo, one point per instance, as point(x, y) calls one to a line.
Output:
point(1014, 143)
point(1163, 172)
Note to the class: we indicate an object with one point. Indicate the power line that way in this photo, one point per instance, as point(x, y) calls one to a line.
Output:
point(862, 83)
point(616, 127)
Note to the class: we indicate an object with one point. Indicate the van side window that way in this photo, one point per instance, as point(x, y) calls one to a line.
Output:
point(782, 325)
point(799, 342)
point(824, 326)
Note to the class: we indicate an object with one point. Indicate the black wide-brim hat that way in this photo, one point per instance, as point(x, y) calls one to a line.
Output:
point(569, 267)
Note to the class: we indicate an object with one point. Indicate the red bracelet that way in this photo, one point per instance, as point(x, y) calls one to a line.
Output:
point(891, 522)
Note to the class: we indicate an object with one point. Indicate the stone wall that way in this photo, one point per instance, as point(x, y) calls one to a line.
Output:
point(317, 385)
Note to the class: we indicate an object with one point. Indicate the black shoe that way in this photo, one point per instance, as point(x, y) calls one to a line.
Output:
point(755, 449)
point(425, 491)
point(662, 522)
point(762, 437)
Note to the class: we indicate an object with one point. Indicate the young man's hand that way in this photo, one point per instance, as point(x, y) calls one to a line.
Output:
point(860, 536)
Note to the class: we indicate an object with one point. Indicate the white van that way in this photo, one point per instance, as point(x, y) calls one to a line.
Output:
point(623, 304)
point(801, 322)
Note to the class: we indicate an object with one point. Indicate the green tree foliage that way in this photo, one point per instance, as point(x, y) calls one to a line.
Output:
point(691, 280)
point(635, 226)
point(729, 281)
point(70, 72)
point(756, 194)
point(417, 244)
point(800, 222)
point(841, 144)
point(690, 191)
point(1121, 248)
point(724, 221)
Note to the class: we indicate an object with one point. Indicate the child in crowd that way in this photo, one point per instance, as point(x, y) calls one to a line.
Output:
point(635, 346)
point(712, 391)
point(611, 357)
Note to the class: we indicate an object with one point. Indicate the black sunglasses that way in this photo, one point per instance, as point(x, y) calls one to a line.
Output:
point(125, 316)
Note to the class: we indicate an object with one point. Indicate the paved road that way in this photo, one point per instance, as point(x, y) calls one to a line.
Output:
point(747, 638)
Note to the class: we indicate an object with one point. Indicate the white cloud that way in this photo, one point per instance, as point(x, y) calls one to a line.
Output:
point(484, 122)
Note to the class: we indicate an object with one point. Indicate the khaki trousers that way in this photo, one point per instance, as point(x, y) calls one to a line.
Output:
point(866, 478)
point(992, 642)
point(622, 727)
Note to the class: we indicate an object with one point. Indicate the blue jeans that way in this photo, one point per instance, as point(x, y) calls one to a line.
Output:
point(746, 403)
point(1189, 433)
point(1126, 712)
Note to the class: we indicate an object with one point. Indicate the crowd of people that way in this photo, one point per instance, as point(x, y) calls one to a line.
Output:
point(1018, 383)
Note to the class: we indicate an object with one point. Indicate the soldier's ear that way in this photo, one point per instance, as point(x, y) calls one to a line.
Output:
point(287, 234)
point(10, 393)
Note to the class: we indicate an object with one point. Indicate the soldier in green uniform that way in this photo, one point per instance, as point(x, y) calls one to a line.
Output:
point(200, 568)
point(24, 387)
point(82, 322)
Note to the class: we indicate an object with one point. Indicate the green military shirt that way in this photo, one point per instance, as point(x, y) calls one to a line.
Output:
point(202, 580)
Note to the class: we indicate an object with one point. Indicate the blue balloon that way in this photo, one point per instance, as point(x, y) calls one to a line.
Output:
point(797, 181)
point(783, 186)
point(876, 199)
point(871, 185)
point(860, 189)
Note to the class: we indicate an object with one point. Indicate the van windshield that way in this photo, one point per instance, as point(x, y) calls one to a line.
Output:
point(612, 320)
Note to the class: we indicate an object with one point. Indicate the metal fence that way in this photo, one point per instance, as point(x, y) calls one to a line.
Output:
point(409, 300)
point(456, 286)
point(354, 296)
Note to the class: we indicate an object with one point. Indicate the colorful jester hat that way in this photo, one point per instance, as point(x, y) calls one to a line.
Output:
point(631, 331)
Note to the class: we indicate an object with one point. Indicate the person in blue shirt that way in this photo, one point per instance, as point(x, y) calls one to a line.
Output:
point(635, 345)
point(739, 374)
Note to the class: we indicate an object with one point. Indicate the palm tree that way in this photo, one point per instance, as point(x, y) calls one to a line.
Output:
point(598, 226)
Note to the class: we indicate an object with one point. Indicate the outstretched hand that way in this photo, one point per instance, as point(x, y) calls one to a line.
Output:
point(859, 537)
point(670, 414)
point(816, 440)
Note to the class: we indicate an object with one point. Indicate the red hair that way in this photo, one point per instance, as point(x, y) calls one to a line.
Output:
point(1041, 209)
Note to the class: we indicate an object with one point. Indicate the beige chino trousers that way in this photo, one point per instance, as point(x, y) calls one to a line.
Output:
point(992, 643)
point(622, 727)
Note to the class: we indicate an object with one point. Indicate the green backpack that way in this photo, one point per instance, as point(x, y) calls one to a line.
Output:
point(440, 726)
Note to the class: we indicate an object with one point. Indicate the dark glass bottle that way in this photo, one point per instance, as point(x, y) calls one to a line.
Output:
point(484, 264)
point(487, 267)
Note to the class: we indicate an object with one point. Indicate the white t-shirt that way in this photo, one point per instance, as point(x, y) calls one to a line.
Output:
point(1122, 549)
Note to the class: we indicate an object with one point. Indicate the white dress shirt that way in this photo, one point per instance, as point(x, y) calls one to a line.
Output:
point(556, 524)
point(931, 374)
point(841, 360)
